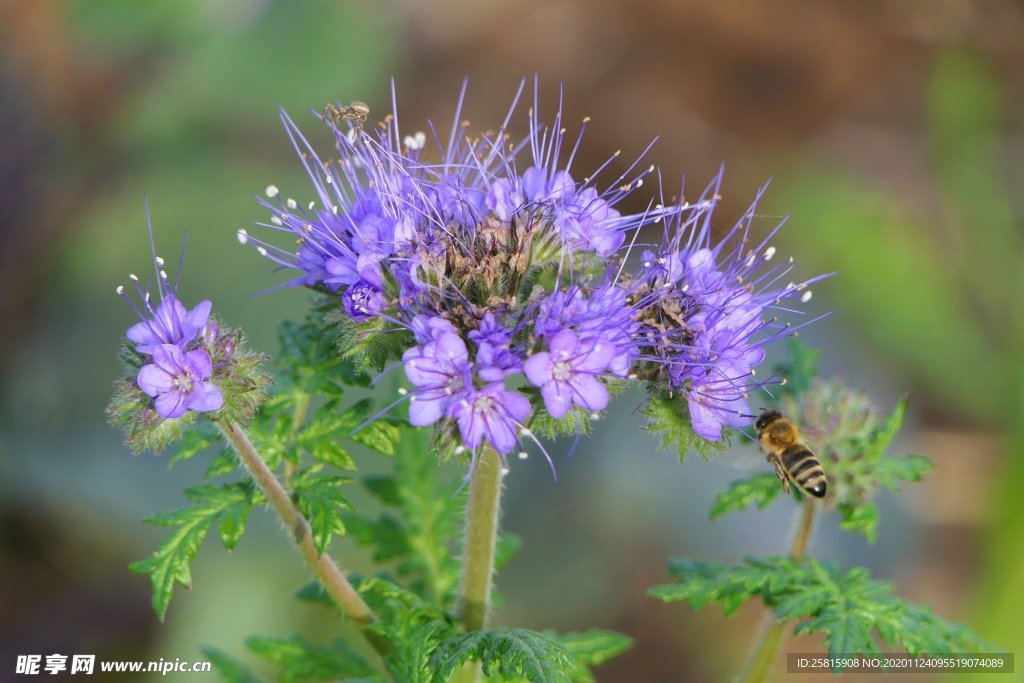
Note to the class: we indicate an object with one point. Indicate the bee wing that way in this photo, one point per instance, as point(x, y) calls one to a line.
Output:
point(745, 459)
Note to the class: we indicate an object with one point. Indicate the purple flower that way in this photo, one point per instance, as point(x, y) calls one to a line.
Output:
point(438, 370)
point(568, 372)
point(490, 414)
point(178, 381)
point(494, 359)
point(170, 323)
point(363, 301)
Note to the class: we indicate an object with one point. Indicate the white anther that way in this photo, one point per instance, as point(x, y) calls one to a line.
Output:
point(334, 209)
point(595, 416)
point(163, 274)
point(292, 204)
point(504, 471)
point(120, 289)
point(459, 450)
point(807, 296)
point(271, 191)
point(631, 375)
point(768, 253)
point(639, 182)
point(146, 297)
point(243, 236)
point(329, 180)
point(402, 391)
point(275, 220)
point(133, 277)
point(262, 251)
point(311, 205)
point(684, 288)
point(647, 264)
point(525, 432)
point(159, 261)
point(523, 455)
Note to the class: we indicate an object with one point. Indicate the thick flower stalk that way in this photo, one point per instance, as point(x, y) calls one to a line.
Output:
point(511, 288)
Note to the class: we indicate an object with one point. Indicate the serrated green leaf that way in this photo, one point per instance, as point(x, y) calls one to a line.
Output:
point(193, 442)
point(596, 646)
point(169, 565)
point(228, 668)
point(303, 661)
point(848, 607)
point(321, 503)
point(223, 463)
point(331, 453)
point(860, 518)
point(509, 652)
point(759, 489)
point(910, 468)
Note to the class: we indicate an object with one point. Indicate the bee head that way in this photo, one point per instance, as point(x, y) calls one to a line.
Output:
point(766, 417)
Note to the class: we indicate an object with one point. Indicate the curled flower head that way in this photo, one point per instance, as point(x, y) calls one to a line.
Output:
point(180, 363)
point(515, 282)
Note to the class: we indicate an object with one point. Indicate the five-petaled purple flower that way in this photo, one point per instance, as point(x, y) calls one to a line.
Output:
point(178, 381)
point(568, 373)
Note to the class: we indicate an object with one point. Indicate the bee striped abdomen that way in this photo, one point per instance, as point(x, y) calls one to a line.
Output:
point(804, 469)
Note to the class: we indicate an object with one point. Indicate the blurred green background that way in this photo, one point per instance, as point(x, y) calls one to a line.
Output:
point(894, 137)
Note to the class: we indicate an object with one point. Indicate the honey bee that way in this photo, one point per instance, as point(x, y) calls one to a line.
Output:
point(355, 113)
point(780, 440)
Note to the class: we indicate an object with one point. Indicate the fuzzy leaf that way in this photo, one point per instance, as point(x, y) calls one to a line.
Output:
point(321, 503)
point(848, 608)
point(759, 489)
point(303, 661)
point(170, 563)
point(510, 652)
point(223, 463)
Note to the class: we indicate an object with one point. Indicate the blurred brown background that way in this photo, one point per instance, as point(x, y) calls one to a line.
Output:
point(892, 132)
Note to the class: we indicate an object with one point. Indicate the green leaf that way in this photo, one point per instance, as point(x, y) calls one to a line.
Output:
point(847, 607)
point(332, 423)
point(419, 534)
point(909, 468)
point(670, 418)
point(169, 565)
point(759, 489)
point(861, 518)
point(303, 661)
point(510, 652)
point(372, 344)
point(193, 442)
point(321, 503)
point(593, 648)
point(228, 668)
point(223, 463)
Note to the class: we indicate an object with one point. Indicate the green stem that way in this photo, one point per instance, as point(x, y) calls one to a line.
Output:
point(765, 647)
point(327, 572)
point(480, 541)
point(481, 535)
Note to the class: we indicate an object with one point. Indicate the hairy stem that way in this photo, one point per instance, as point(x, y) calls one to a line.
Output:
point(763, 652)
point(481, 536)
point(325, 569)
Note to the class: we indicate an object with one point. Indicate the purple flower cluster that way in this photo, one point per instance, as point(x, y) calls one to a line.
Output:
point(515, 280)
point(177, 375)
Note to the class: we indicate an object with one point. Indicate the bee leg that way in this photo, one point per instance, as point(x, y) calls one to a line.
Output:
point(780, 473)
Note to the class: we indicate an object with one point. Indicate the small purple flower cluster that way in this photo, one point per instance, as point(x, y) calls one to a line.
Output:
point(177, 374)
point(521, 283)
